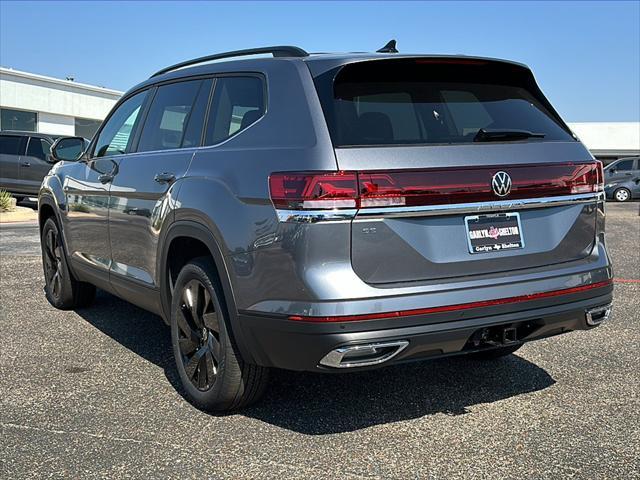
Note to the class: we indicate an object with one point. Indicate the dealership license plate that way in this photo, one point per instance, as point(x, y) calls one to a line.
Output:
point(494, 233)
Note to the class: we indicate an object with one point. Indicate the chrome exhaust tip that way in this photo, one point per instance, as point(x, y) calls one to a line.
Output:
point(596, 316)
point(363, 355)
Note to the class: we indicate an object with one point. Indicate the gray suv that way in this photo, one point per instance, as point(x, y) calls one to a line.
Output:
point(24, 161)
point(331, 213)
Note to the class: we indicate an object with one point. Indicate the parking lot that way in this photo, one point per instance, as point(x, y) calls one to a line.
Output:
point(94, 392)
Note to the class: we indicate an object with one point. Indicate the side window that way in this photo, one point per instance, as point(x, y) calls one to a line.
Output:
point(10, 145)
point(168, 116)
point(237, 103)
point(38, 148)
point(116, 135)
point(624, 165)
point(193, 132)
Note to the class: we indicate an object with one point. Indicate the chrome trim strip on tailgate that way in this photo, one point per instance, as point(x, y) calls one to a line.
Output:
point(478, 207)
point(315, 216)
point(338, 215)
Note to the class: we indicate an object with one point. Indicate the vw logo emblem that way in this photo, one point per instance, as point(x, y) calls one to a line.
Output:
point(501, 184)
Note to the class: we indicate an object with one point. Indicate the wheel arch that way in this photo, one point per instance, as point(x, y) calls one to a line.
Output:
point(187, 230)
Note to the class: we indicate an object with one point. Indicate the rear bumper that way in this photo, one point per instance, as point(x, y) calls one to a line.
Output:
point(296, 345)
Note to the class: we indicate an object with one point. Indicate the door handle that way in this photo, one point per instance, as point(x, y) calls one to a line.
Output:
point(105, 177)
point(164, 177)
point(26, 164)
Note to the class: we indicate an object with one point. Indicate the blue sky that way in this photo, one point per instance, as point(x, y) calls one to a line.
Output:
point(585, 55)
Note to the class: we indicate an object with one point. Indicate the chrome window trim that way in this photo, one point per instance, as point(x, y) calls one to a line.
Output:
point(363, 214)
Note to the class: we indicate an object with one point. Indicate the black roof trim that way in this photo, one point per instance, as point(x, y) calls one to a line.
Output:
point(277, 51)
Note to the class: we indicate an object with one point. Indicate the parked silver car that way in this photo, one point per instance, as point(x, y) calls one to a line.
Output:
point(622, 179)
point(331, 213)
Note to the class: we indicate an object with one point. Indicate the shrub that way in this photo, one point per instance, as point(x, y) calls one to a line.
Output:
point(78, 207)
point(6, 201)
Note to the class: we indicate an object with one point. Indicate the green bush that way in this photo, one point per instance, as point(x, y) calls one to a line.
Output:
point(5, 201)
point(78, 207)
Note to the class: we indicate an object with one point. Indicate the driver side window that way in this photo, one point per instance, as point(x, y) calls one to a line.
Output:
point(39, 148)
point(116, 136)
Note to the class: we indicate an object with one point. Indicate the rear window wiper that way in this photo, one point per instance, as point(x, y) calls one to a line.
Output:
point(490, 135)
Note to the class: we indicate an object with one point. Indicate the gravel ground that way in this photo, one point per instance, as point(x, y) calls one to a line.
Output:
point(94, 393)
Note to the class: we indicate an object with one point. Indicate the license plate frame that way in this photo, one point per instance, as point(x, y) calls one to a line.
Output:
point(487, 240)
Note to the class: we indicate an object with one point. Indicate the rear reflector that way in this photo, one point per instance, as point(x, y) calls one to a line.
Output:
point(453, 308)
point(308, 190)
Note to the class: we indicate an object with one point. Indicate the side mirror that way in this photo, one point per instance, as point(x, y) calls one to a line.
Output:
point(69, 149)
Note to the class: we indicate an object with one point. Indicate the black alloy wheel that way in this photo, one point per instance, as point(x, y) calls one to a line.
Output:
point(61, 288)
point(53, 266)
point(199, 335)
point(210, 367)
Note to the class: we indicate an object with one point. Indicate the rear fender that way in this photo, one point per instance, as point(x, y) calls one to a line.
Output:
point(197, 231)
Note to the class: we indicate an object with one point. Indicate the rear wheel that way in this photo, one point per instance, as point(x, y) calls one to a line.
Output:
point(210, 368)
point(61, 289)
point(494, 353)
point(622, 195)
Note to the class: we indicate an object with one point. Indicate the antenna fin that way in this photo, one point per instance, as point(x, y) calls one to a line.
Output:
point(390, 47)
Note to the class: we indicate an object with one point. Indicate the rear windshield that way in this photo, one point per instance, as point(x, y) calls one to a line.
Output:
point(399, 102)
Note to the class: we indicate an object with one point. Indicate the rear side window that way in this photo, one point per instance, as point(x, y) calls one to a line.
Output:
point(168, 116)
point(396, 102)
point(237, 103)
point(38, 148)
point(193, 132)
point(10, 145)
point(624, 165)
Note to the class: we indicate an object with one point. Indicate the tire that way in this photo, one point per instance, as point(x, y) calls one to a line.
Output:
point(61, 289)
point(19, 198)
point(622, 195)
point(495, 353)
point(211, 371)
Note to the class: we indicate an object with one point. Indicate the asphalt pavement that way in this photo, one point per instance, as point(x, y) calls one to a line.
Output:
point(94, 393)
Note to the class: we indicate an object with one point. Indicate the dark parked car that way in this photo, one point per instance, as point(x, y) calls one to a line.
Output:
point(331, 213)
point(24, 161)
point(622, 179)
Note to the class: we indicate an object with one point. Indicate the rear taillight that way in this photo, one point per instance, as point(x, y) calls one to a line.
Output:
point(586, 178)
point(600, 169)
point(438, 186)
point(314, 191)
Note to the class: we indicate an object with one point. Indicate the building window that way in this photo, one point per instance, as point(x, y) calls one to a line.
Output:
point(18, 120)
point(85, 127)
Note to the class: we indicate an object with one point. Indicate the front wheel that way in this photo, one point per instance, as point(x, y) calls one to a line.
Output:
point(61, 289)
point(622, 195)
point(209, 365)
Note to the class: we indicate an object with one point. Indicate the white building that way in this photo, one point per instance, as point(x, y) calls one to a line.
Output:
point(36, 103)
point(63, 107)
point(611, 140)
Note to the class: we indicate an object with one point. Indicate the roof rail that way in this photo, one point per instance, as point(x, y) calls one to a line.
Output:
point(278, 51)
